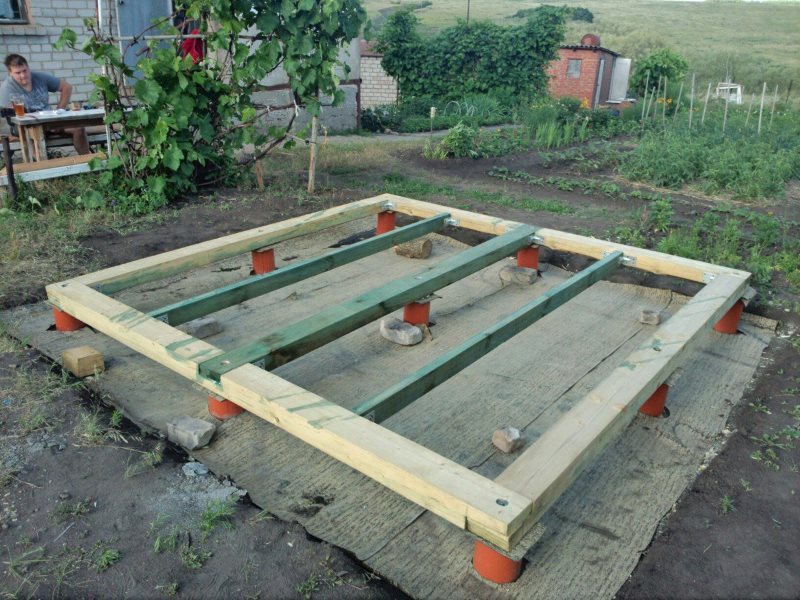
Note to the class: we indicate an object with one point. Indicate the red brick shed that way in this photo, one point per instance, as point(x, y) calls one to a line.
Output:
point(583, 71)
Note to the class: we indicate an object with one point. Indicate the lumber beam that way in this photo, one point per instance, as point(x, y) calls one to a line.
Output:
point(455, 493)
point(230, 295)
point(115, 279)
point(297, 339)
point(400, 395)
point(558, 456)
point(637, 258)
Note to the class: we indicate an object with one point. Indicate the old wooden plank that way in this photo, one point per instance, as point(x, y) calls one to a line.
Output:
point(400, 395)
point(115, 279)
point(645, 260)
point(455, 493)
point(297, 339)
point(556, 459)
point(230, 295)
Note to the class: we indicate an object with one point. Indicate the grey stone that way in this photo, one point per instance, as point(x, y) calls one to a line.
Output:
point(518, 275)
point(507, 440)
point(650, 317)
point(400, 332)
point(189, 432)
point(203, 327)
point(195, 469)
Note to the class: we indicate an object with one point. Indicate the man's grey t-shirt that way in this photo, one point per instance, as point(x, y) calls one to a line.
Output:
point(37, 98)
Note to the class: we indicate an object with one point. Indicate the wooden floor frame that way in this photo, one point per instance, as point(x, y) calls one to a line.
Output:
point(498, 511)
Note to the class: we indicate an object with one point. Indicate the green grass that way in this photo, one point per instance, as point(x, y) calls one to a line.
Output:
point(216, 513)
point(756, 41)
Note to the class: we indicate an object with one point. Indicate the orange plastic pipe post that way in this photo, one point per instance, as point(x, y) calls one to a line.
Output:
point(730, 322)
point(222, 409)
point(263, 260)
point(386, 221)
point(65, 321)
point(495, 567)
point(654, 406)
point(528, 257)
point(417, 313)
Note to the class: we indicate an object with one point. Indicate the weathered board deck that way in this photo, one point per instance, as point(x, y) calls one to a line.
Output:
point(499, 510)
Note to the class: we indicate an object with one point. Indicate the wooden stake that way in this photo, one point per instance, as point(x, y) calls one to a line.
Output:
point(664, 104)
point(656, 97)
point(691, 104)
point(644, 105)
point(761, 108)
point(750, 108)
point(705, 105)
point(677, 104)
point(646, 85)
point(774, 102)
point(725, 115)
point(312, 164)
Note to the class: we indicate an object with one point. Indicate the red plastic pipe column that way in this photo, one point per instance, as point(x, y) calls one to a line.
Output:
point(263, 260)
point(65, 321)
point(528, 257)
point(730, 322)
point(222, 409)
point(417, 313)
point(386, 221)
point(495, 567)
point(654, 406)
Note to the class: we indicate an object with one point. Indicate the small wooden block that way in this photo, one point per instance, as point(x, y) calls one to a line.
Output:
point(83, 361)
point(420, 248)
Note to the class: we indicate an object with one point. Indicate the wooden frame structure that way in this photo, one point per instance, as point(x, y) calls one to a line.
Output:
point(498, 511)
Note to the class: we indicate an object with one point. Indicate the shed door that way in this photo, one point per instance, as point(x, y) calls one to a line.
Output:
point(133, 17)
point(600, 71)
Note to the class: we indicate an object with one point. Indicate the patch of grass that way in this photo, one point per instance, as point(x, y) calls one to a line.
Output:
point(745, 485)
point(193, 559)
point(168, 589)
point(217, 512)
point(167, 542)
point(726, 505)
point(147, 461)
point(307, 588)
point(68, 510)
point(106, 558)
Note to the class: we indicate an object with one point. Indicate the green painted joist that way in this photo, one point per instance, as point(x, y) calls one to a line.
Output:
point(238, 292)
point(302, 337)
point(400, 395)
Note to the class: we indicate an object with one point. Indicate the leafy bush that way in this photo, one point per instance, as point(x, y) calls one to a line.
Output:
point(380, 118)
point(661, 63)
point(459, 142)
point(475, 57)
point(667, 161)
point(582, 14)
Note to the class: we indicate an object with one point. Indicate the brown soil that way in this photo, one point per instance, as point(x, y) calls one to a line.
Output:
point(702, 550)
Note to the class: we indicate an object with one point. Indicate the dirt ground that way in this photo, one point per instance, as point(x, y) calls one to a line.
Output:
point(92, 507)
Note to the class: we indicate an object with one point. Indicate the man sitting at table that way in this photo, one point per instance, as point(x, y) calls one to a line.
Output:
point(34, 89)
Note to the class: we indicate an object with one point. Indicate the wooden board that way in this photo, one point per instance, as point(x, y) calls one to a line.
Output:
point(500, 511)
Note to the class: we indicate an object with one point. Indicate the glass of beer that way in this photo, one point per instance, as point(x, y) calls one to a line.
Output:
point(19, 105)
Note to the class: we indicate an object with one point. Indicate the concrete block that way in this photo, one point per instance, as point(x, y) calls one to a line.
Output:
point(518, 275)
point(189, 432)
point(650, 317)
point(400, 332)
point(82, 361)
point(202, 328)
point(507, 440)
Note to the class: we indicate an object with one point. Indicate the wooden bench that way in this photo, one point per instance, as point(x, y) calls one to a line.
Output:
point(54, 167)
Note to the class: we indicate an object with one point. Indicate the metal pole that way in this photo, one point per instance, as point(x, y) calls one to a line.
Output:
point(761, 108)
point(705, 105)
point(691, 104)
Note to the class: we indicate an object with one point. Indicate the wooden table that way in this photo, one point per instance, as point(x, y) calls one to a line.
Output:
point(31, 128)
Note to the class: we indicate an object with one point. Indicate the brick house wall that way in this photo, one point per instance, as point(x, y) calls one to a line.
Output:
point(582, 87)
point(377, 87)
point(34, 40)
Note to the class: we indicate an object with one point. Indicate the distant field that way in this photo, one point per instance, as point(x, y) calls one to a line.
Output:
point(752, 42)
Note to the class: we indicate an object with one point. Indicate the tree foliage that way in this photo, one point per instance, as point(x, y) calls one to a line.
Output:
point(660, 63)
point(472, 58)
point(184, 120)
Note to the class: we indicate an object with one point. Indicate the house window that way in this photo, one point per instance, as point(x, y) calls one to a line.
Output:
point(13, 11)
point(574, 68)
